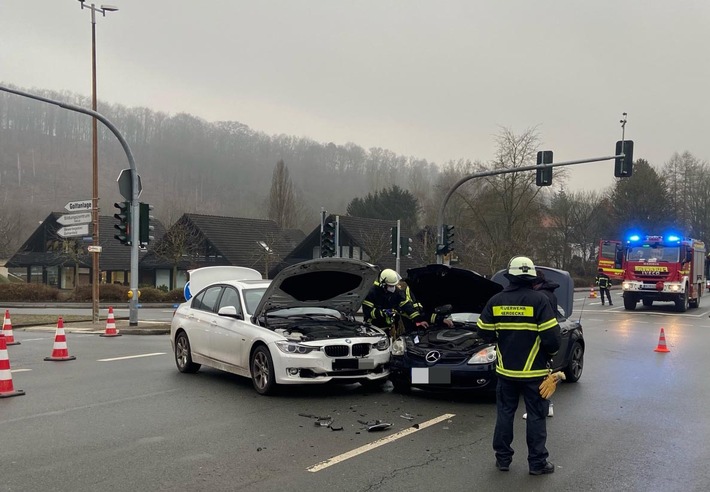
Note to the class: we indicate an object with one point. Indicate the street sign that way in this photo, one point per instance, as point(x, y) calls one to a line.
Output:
point(78, 205)
point(93, 249)
point(74, 219)
point(73, 231)
point(125, 184)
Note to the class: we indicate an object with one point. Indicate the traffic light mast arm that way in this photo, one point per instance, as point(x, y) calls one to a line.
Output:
point(440, 223)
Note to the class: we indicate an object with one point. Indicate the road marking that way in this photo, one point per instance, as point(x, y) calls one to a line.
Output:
point(131, 357)
point(34, 339)
point(20, 370)
point(376, 444)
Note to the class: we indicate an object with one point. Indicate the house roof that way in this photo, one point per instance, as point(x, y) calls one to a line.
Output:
point(113, 256)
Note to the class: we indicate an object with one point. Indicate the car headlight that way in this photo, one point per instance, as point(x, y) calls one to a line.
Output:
point(485, 356)
point(625, 285)
point(674, 288)
point(294, 348)
point(398, 346)
point(383, 344)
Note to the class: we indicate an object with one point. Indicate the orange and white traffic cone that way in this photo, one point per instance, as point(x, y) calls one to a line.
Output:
point(592, 293)
point(661, 343)
point(110, 325)
point(7, 330)
point(6, 388)
point(60, 350)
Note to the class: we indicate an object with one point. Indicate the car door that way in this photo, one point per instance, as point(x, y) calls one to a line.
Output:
point(228, 340)
point(201, 320)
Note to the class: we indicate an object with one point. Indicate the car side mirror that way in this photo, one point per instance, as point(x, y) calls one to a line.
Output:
point(230, 312)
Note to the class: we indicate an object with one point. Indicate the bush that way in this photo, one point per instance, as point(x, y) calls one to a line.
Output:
point(175, 295)
point(28, 292)
point(107, 293)
point(151, 294)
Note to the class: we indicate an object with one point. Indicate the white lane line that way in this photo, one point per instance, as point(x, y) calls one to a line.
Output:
point(376, 444)
point(130, 357)
point(34, 339)
point(20, 370)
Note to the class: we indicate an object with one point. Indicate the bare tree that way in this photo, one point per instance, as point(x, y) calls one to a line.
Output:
point(181, 243)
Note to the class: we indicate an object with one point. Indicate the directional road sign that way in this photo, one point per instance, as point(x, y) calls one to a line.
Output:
point(78, 205)
point(75, 219)
point(73, 231)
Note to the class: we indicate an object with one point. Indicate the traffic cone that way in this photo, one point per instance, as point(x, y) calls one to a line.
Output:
point(662, 343)
point(110, 325)
point(6, 388)
point(60, 351)
point(592, 293)
point(7, 330)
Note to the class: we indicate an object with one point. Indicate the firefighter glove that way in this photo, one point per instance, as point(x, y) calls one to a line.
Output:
point(549, 384)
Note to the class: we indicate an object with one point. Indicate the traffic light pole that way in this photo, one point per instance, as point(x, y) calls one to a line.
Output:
point(133, 302)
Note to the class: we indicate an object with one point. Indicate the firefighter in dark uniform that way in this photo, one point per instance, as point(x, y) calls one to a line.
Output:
point(386, 303)
point(603, 282)
point(433, 319)
point(522, 323)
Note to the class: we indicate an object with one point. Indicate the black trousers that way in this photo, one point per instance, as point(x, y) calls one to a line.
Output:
point(507, 397)
point(602, 291)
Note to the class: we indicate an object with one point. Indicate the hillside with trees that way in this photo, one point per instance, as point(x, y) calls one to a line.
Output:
point(189, 165)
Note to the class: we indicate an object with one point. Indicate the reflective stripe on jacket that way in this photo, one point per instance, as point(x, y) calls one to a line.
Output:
point(522, 323)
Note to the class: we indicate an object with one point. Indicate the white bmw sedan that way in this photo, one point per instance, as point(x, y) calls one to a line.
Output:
point(299, 328)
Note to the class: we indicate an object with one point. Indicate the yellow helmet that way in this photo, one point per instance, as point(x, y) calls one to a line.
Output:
point(389, 277)
point(521, 266)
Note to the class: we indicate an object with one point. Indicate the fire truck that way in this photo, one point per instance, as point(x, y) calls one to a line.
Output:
point(663, 268)
point(610, 258)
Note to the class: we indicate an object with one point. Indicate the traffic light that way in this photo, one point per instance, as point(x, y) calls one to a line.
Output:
point(447, 234)
point(327, 239)
point(145, 229)
point(623, 166)
point(124, 222)
point(393, 249)
point(543, 175)
point(405, 246)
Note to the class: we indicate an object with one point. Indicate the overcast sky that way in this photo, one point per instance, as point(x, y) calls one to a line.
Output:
point(433, 79)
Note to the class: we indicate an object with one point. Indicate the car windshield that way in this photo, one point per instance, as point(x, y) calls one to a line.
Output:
point(653, 254)
point(252, 298)
point(465, 317)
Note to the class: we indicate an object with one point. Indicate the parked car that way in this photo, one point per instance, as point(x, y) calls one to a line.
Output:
point(299, 328)
point(443, 358)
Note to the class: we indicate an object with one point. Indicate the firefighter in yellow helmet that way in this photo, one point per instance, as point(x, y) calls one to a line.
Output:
point(522, 323)
point(387, 301)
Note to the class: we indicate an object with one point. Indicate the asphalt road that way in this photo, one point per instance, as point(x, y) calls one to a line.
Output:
point(120, 417)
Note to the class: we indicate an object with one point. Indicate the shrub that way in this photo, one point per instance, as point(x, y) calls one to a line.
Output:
point(107, 293)
point(28, 292)
point(175, 295)
point(150, 294)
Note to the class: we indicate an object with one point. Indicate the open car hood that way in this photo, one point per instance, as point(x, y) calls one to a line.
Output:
point(335, 283)
point(436, 285)
point(564, 293)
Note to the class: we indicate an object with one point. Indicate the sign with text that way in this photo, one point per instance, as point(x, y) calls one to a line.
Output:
point(73, 231)
point(93, 249)
point(78, 205)
point(74, 219)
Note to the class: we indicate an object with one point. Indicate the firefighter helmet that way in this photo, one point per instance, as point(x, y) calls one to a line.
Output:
point(389, 277)
point(521, 266)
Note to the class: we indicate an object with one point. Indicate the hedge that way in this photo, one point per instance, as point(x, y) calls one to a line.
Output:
point(23, 292)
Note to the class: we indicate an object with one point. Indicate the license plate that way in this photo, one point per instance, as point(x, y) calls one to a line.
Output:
point(353, 364)
point(431, 375)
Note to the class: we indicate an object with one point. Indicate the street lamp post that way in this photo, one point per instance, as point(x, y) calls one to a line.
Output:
point(95, 162)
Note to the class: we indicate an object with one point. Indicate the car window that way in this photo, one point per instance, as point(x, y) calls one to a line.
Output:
point(207, 299)
point(252, 298)
point(230, 297)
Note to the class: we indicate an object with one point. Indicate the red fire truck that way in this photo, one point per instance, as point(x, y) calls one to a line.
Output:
point(610, 258)
point(663, 268)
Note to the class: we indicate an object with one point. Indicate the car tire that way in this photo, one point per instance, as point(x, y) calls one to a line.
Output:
point(629, 303)
point(681, 305)
point(261, 367)
point(373, 384)
point(183, 354)
point(400, 386)
point(573, 371)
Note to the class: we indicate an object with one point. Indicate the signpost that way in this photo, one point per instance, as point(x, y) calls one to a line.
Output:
point(93, 249)
point(79, 205)
point(75, 219)
point(73, 231)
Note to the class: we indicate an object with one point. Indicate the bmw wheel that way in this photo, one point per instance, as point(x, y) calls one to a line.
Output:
point(262, 371)
point(183, 355)
point(573, 371)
